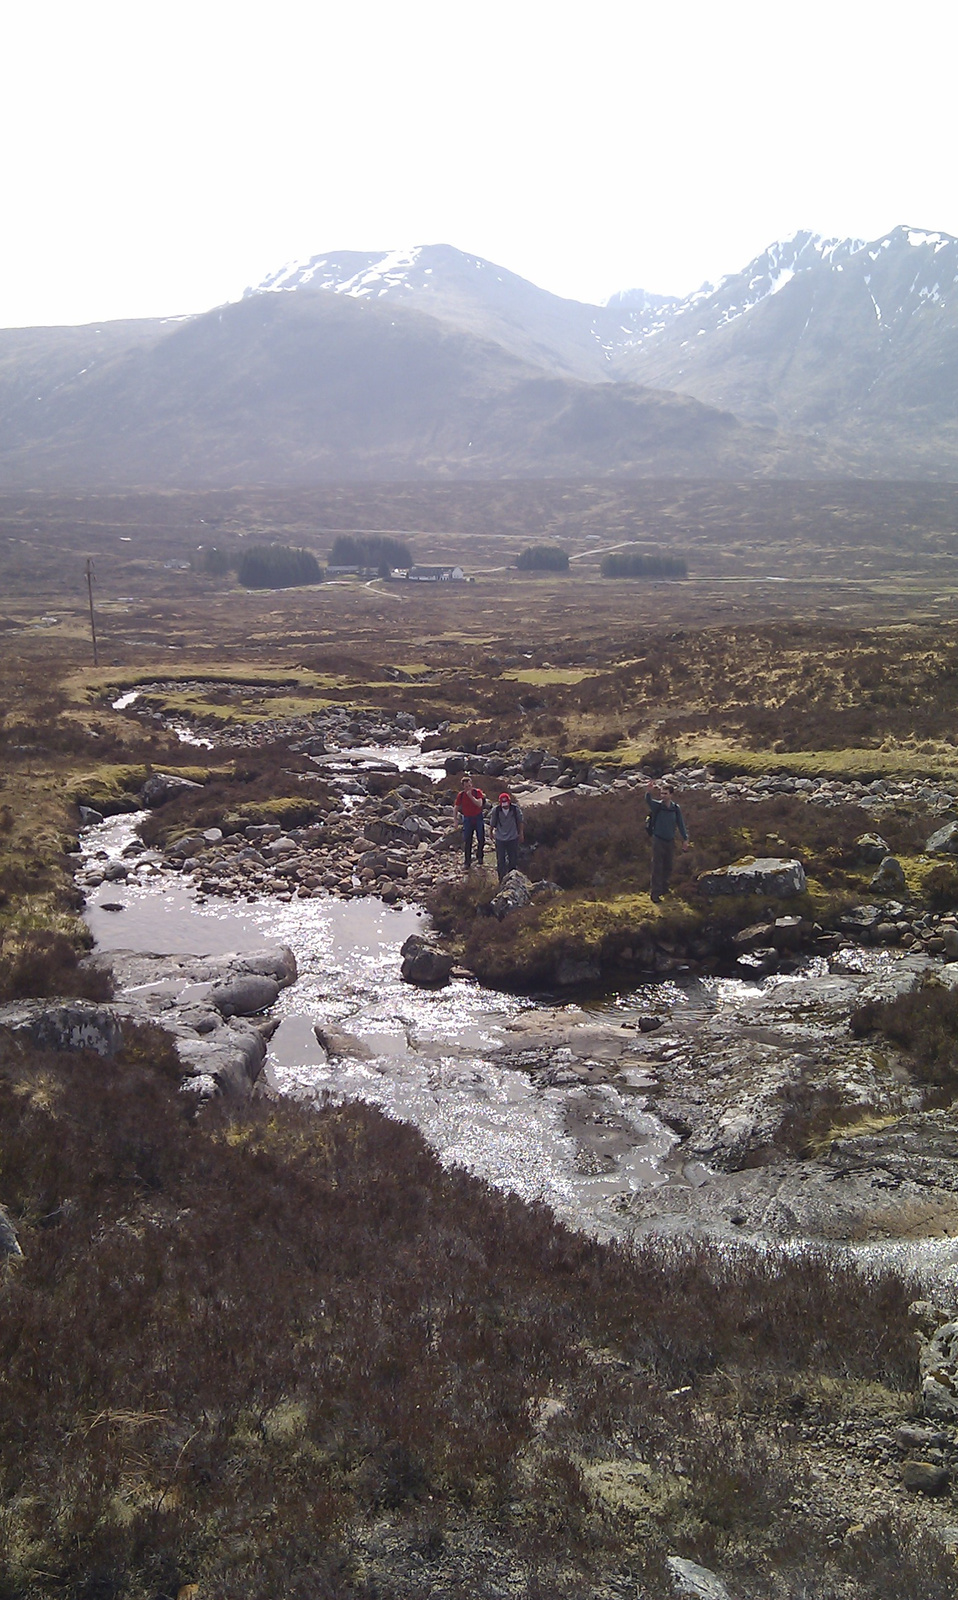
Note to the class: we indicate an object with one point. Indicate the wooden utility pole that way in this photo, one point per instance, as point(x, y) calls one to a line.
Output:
point(89, 585)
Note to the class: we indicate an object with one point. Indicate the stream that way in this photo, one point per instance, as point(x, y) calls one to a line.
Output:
point(592, 1151)
point(433, 1050)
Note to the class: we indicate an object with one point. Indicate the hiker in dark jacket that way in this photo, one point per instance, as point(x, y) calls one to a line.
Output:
point(505, 822)
point(665, 819)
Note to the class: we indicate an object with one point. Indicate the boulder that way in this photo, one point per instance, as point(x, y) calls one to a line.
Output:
point(89, 816)
point(871, 848)
point(423, 963)
point(890, 877)
point(116, 872)
point(938, 1372)
point(691, 1580)
point(232, 1057)
point(338, 1043)
point(515, 891)
point(768, 875)
point(860, 922)
point(944, 842)
point(162, 786)
point(274, 961)
point(65, 1025)
point(926, 1477)
point(244, 995)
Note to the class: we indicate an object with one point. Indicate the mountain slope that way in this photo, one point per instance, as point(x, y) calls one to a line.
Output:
point(850, 341)
point(564, 336)
point(310, 387)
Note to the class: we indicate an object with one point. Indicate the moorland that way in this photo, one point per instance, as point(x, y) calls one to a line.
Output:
point(250, 1349)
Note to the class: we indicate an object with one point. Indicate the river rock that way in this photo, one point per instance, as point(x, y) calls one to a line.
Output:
point(768, 875)
point(162, 786)
point(233, 1058)
point(871, 848)
point(244, 995)
point(515, 891)
point(273, 961)
point(89, 816)
point(890, 877)
point(938, 1371)
point(944, 842)
point(65, 1025)
point(423, 963)
point(338, 1044)
point(861, 922)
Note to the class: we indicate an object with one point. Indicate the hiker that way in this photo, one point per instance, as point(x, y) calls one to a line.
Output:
point(468, 807)
point(665, 819)
point(505, 820)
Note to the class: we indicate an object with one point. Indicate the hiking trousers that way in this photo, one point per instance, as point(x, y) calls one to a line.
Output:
point(473, 826)
point(663, 855)
point(507, 856)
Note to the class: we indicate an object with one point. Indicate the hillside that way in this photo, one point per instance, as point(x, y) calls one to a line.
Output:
point(305, 388)
point(853, 342)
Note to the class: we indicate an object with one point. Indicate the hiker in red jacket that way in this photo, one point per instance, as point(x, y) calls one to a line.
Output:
point(468, 806)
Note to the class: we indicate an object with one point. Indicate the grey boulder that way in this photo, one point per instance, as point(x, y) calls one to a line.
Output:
point(231, 1057)
point(768, 875)
point(890, 877)
point(244, 995)
point(871, 848)
point(423, 964)
point(337, 1043)
point(65, 1025)
point(938, 1372)
point(944, 842)
point(162, 786)
point(515, 891)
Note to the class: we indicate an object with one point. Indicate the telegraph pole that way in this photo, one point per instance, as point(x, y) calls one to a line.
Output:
point(89, 585)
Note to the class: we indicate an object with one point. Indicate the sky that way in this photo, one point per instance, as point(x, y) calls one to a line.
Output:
point(160, 157)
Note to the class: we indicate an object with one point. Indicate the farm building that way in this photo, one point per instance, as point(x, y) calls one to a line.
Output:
point(436, 575)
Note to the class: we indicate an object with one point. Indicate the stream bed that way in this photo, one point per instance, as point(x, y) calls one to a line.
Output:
point(622, 1132)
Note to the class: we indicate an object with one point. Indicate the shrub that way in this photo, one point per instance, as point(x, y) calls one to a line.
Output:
point(214, 561)
point(543, 558)
point(924, 1024)
point(234, 1335)
point(277, 566)
point(45, 963)
point(369, 550)
point(636, 563)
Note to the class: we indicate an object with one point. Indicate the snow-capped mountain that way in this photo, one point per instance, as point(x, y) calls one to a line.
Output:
point(850, 339)
point(565, 336)
point(431, 361)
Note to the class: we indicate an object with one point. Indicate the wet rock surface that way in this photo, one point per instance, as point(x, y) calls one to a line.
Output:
point(204, 1002)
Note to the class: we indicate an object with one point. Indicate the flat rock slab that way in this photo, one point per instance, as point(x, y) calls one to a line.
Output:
point(768, 875)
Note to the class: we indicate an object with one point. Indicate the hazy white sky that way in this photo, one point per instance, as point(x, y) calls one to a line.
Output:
point(159, 157)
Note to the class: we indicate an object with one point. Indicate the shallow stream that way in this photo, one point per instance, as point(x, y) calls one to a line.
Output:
point(583, 1149)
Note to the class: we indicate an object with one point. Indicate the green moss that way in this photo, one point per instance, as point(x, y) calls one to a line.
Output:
point(113, 788)
point(290, 811)
point(542, 675)
point(865, 764)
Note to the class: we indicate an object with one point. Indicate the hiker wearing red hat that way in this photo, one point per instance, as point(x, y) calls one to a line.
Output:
point(505, 823)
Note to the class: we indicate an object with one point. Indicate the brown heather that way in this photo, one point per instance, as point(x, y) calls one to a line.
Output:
point(237, 1341)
